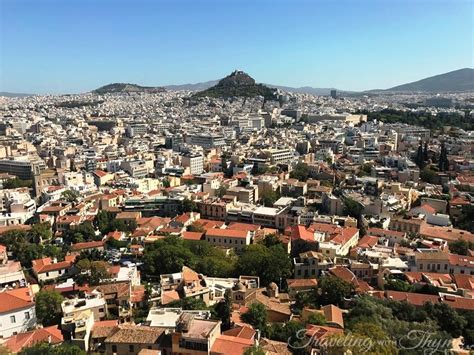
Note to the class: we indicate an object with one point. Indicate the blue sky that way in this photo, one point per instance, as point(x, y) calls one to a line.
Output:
point(68, 46)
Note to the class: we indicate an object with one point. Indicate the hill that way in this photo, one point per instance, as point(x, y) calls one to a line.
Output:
point(457, 80)
point(192, 87)
point(14, 94)
point(126, 88)
point(238, 84)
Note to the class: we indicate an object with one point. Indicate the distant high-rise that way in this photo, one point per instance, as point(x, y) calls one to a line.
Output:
point(333, 94)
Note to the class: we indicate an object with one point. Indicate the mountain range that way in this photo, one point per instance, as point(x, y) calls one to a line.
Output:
point(126, 88)
point(457, 80)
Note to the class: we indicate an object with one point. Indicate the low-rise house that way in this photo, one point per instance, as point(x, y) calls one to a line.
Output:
point(132, 339)
point(98, 245)
point(17, 311)
point(117, 296)
point(169, 317)
point(276, 304)
point(47, 269)
point(11, 272)
point(17, 343)
point(301, 285)
point(311, 264)
point(229, 238)
point(194, 336)
point(95, 302)
point(77, 328)
point(442, 262)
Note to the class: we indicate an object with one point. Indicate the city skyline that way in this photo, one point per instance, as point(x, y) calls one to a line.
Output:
point(58, 48)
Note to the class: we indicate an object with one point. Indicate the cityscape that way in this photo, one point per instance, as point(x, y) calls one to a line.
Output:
point(240, 214)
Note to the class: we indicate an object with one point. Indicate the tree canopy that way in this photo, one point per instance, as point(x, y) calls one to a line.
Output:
point(48, 307)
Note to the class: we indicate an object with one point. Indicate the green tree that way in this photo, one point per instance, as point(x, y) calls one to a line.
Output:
point(188, 303)
point(464, 221)
point(419, 156)
point(254, 350)
point(305, 299)
point(103, 220)
point(443, 162)
point(446, 317)
point(45, 348)
point(300, 172)
point(195, 227)
point(70, 196)
point(271, 240)
point(91, 272)
point(398, 285)
point(333, 290)
point(352, 208)
point(270, 264)
point(316, 319)
point(84, 232)
point(256, 316)
point(428, 175)
point(40, 232)
point(167, 256)
point(189, 206)
point(48, 307)
point(222, 310)
point(221, 191)
point(166, 183)
point(461, 246)
point(284, 332)
point(268, 198)
point(17, 183)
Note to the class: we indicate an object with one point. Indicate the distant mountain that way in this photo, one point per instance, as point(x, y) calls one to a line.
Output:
point(458, 80)
point(126, 88)
point(192, 87)
point(14, 94)
point(208, 84)
point(238, 84)
point(304, 90)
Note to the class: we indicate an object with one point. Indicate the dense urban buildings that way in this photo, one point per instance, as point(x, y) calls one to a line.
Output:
point(169, 222)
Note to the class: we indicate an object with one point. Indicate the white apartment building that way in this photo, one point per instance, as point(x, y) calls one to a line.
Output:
point(17, 311)
point(193, 161)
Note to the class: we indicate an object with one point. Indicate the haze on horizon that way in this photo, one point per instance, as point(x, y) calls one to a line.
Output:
point(74, 46)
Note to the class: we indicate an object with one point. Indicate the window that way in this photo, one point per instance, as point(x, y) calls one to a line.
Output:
point(131, 348)
point(438, 266)
point(27, 315)
point(47, 274)
point(12, 319)
point(114, 348)
point(421, 266)
point(446, 266)
point(101, 310)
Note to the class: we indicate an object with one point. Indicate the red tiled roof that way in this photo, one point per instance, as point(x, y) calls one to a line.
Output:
point(87, 245)
point(46, 265)
point(297, 283)
point(192, 235)
point(16, 299)
point(244, 226)
point(300, 232)
point(367, 241)
point(241, 331)
point(23, 340)
point(229, 345)
point(226, 233)
point(100, 173)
